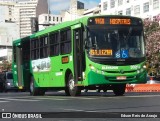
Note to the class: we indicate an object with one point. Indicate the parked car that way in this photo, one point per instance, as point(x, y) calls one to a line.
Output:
point(6, 79)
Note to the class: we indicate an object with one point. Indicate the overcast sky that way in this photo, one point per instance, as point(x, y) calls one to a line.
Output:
point(57, 5)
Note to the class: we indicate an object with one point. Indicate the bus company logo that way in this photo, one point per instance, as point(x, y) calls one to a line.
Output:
point(121, 71)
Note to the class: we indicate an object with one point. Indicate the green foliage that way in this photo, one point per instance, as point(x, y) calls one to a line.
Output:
point(5, 65)
point(152, 38)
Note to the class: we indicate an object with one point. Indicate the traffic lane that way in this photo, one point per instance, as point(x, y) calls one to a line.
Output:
point(88, 102)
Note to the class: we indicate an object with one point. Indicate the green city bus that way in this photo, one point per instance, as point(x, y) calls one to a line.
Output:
point(105, 52)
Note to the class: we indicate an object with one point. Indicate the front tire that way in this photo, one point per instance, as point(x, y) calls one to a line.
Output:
point(71, 89)
point(35, 91)
point(119, 89)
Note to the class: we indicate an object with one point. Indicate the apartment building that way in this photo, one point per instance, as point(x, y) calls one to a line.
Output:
point(27, 10)
point(8, 9)
point(141, 8)
point(15, 21)
point(46, 20)
point(93, 11)
point(21, 12)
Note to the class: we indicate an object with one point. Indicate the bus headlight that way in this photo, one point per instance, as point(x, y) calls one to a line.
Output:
point(9, 84)
point(92, 67)
point(138, 71)
point(144, 67)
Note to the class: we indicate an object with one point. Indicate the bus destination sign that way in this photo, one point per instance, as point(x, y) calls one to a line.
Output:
point(120, 21)
point(114, 21)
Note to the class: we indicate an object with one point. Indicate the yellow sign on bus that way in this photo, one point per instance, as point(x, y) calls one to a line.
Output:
point(101, 52)
point(99, 20)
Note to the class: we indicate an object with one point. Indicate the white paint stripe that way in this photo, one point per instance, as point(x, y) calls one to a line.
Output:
point(3, 101)
point(52, 98)
point(22, 100)
point(68, 98)
point(73, 110)
point(18, 99)
point(80, 110)
point(143, 96)
point(86, 98)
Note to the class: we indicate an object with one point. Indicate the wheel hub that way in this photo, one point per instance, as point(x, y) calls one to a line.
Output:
point(71, 84)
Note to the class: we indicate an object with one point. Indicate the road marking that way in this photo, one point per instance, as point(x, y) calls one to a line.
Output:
point(80, 110)
point(51, 98)
point(73, 110)
point(142, 96)
point(3, 101)
point(18, 99)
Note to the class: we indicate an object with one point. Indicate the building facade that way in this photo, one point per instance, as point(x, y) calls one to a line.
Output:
point(93, 11)
point(46, 20)
point(21, 12)
point(15, 22)
point(140, 8)
point(8, 33)
point(27, 10)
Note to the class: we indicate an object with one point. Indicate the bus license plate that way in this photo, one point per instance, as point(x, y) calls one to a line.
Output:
point(121, 77)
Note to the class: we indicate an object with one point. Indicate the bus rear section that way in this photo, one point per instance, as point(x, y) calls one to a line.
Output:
point(115, 52)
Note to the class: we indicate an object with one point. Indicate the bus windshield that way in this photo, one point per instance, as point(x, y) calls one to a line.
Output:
point(126, 42)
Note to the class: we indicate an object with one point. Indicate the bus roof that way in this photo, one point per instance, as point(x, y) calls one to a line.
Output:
point(65, 25)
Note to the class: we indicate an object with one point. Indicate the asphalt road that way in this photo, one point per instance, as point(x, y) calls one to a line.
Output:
point(89, 106)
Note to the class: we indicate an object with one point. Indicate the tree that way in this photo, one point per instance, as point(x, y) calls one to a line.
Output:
point(5, 65)
point(152, 39)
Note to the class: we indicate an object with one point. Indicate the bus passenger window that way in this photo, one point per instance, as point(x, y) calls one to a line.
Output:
point(54, 44)
point(65, 41)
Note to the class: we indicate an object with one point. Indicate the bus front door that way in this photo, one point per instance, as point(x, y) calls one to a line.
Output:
point(78, 52)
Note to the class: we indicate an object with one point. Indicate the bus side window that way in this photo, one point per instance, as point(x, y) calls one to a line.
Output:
point(35, 49)
point(54, 44)
point(65, 45)
point(44, 47)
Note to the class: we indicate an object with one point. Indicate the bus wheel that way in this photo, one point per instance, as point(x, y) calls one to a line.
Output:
point(35, 91)
point(119, 89)
point(73, 90)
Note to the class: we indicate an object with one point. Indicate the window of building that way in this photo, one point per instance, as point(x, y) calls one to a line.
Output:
point(127, 1)
point(120, 12)
point(146, 7)
point(54, 44)
point(45, 18)
point(112, 3)
point(57, 18)
point(49, 18)
point(137, 9)
point(65, 41)
point(128, 11)
point(120, 2)
point(53, 18)
point(105, 5)
point(155, 4)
